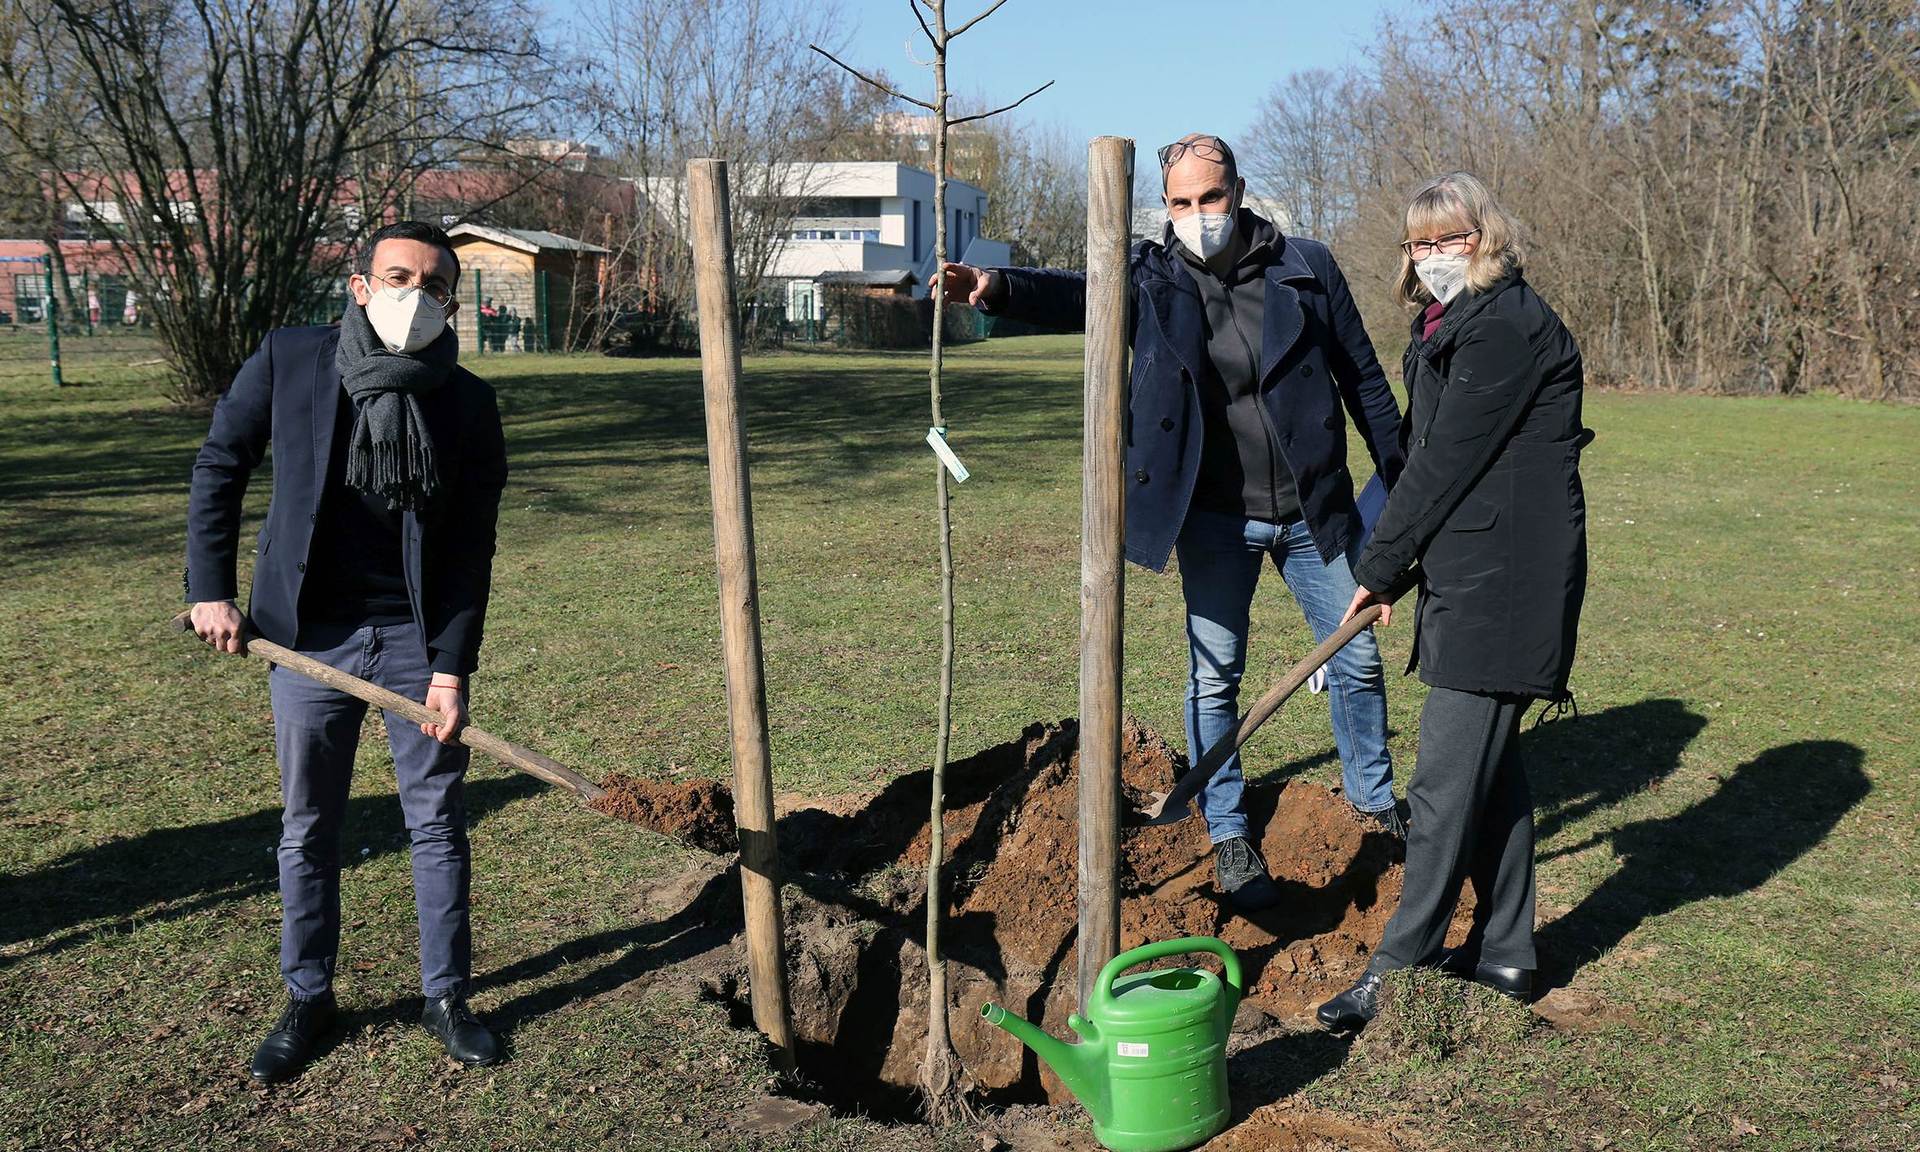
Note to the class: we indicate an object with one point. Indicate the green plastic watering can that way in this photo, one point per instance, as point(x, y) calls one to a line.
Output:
point(1151, 1065)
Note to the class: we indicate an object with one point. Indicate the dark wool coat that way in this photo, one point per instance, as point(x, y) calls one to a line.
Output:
point(1315, 363)
point(288, 393)
point(1489, 517)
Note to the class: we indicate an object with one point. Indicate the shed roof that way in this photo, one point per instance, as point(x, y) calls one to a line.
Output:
point(523, 239)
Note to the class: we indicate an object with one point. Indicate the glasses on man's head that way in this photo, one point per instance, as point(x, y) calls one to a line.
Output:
point(1452, 244)
point(1206, 147)
point(433, 290)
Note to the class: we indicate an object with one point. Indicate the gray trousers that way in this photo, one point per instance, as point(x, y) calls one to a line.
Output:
point(316, 733)
point(1471, 817)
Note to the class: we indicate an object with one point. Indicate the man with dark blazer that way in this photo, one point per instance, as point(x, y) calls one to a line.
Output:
point(1249, 356)
point(376, 556)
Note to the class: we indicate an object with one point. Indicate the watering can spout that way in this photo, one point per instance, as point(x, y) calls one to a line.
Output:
point(1077, 1065)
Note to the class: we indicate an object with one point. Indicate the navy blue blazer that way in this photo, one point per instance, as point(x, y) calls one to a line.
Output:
point(288, 393)
point(1315, 360)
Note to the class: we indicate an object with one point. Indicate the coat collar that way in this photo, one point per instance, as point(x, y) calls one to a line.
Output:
point(1282, 319)
point(326, 406)
point(1457, 315)
point(1177, 306)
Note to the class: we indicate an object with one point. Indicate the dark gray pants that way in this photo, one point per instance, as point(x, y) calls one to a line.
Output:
point(1471, 818)
point(316, 733)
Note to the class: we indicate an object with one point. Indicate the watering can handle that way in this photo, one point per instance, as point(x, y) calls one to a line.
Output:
point(1103, 985)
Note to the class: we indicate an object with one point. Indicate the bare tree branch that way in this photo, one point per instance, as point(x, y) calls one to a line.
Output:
point(887, 88)
point(991, 9)
point(1003, 108)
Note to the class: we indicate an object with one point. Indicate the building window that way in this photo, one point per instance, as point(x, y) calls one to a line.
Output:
point(835, 234)
point(105, 211)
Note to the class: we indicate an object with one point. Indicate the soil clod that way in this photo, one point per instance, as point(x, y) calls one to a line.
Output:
point(698, 813)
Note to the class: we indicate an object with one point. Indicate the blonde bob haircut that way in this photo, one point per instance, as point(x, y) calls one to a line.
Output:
point(1458, 202)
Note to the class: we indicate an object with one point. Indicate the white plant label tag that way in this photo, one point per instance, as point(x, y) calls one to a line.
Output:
point(1126, 1049)
point(937, 441)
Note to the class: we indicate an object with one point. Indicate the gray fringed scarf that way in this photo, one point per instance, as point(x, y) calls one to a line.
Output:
point(389, 452)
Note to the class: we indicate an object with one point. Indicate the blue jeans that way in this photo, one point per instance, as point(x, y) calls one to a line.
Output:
point(1220, 559)
point(316, 732)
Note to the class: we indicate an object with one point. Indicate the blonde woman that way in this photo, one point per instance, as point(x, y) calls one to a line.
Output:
point(1489, 522)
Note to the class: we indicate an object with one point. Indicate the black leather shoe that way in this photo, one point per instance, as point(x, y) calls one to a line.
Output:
point(1514, 982)
point(1457, 962)
point(1353, 1009)
point(1242, 876)
point(1466, 965)
point(289, 1046)
point(449, 1020)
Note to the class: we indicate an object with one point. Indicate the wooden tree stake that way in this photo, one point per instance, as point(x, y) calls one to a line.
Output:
point(739, 601)
point(1103, 551)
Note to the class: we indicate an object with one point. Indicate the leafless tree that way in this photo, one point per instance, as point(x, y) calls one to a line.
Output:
point(941, 1076)
point(733, 79)
point(218, 142)
point(1718, 193)
point(1296, 154)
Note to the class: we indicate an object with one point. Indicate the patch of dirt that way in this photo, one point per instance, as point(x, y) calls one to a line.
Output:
point(854, 881)
point(1285, 1127)
point(1572, 1010)
point(698, 813)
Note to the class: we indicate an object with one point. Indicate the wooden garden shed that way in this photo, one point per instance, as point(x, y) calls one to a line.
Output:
point(522, 289)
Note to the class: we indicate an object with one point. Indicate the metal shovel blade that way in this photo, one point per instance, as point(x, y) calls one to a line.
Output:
point(1154, 813)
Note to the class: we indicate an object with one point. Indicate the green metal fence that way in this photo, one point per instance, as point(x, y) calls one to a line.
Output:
point(105, 336)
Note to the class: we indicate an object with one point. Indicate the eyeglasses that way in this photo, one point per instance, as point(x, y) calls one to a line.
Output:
point(435, 291)
point(1206, 147)
point(1451, 245)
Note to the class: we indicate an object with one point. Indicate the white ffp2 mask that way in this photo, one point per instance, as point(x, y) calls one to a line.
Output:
point(404, 318)
point(1443, 275)
point(1206, 234)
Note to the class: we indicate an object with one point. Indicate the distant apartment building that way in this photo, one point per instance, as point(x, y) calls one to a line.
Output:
point(870, 218)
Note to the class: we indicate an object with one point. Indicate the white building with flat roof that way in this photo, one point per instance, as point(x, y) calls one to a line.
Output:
point(866, 217)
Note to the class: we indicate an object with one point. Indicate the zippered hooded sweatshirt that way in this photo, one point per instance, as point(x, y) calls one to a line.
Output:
point(1243, 468)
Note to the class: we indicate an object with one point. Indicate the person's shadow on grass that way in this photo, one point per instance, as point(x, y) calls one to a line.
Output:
point(1765, 815)
point(169, 873)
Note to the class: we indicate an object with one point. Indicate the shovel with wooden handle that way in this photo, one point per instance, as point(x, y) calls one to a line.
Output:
point(1171, 807)
point(508, 753)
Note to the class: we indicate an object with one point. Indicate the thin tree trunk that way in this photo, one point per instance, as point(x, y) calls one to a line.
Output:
point(939, 1074)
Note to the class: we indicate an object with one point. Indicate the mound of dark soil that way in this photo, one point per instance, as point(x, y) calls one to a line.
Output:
point(855, 921)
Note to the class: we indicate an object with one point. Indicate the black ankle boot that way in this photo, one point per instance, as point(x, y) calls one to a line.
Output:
point(449, 1020)
point(1353, 1009)
point(290, 1045)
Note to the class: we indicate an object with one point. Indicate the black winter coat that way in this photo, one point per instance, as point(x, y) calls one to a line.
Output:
point(1489, 517)
point(288, 393)
point(1317, 370)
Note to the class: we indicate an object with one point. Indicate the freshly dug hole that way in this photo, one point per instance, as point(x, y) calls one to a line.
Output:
point(855, 922)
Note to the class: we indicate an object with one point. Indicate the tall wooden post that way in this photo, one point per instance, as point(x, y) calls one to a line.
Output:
point(739, 601)
point(1103, 550)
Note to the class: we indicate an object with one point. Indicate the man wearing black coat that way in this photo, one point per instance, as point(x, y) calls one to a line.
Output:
point(375, 558)
point(1249, 357)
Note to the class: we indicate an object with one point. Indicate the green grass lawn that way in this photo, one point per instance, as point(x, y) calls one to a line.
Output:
point(1727, 860)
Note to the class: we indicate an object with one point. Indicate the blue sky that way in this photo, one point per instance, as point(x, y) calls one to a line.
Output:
point(1152, 71)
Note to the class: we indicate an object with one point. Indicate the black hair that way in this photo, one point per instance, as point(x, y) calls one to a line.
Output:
point(407, 230)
